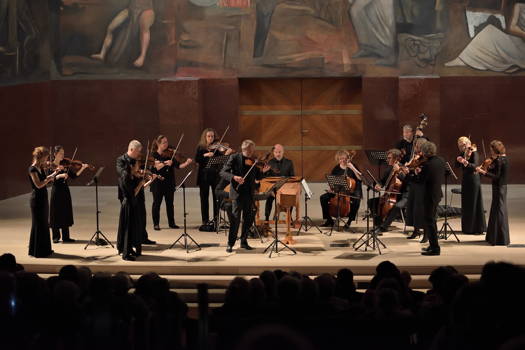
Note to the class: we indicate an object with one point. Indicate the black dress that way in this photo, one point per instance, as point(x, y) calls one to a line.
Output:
point(207, 179)
point(164, 189)
point(39, 239)
point(472, 212)
point(130, 231)
point(60, 207)
point(498, 227)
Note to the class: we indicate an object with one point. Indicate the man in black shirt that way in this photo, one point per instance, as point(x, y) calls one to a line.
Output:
point(125, 161)
point(431, 175)
point(278, 166)
point(242, 189)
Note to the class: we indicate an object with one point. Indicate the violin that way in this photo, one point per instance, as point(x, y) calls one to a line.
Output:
point(172, 154)
point(219, 147)
point(486, 164)
point(146, 174)
point(415, 162)
point(75, 164)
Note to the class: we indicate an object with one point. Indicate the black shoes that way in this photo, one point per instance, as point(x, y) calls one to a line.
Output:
point(414, 235)
point(129, 257)
point(149, 241)
point(156, 228)
point(328, 223)
point(429, 251)
point(229, 249)
point(174, 226)
point(68, 240)
point(424, 239)
point(245, 245)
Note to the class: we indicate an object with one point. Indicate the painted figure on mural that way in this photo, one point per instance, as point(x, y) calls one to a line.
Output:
point(19, 36)
point(496, 49)
point(138, 18)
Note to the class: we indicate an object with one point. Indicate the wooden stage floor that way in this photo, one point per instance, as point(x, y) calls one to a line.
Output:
point(316, 253)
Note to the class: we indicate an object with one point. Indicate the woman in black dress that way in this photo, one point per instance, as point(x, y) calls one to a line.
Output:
point(472, 212)
point(130, 227)
point(164, 166)
point(498, 226)
point(207, 177)
point(60, 208)
point(39, 240)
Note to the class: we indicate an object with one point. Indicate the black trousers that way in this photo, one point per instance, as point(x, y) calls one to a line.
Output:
point(430, 225)
point(393, 214)
point(158, 194)
point(242, 206)
point(204, 192)
point(56, 233)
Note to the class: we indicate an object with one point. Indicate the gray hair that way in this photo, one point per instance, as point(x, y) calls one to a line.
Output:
point(408, 127)
point(247, 144)
point(429, 149)
point(134, 144)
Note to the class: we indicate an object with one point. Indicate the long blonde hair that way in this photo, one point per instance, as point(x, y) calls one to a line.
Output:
point(202, 141)
point(39, 153)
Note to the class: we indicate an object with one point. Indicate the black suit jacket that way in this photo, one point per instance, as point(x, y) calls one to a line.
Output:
point(431, 176)
point(235, 167)
point(124, 163)
point(284, 167)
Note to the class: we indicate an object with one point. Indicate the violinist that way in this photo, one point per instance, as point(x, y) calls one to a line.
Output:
point(39, 239)
point(125, 161)
point(241, 172)
point(61, 208)
point(430, 175)
point(472, 213)
point(497, 168)
point(131, 219)
point(164, 164)
point(344, 167)
point(393, 206)
point(208, 177)
point(277, 166)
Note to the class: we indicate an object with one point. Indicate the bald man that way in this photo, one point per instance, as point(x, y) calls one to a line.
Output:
point(279, 166)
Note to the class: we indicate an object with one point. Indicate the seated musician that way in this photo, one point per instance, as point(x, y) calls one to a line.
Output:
point(344, 167)
point(277, 166)
point(222, 197)
point(394, 171)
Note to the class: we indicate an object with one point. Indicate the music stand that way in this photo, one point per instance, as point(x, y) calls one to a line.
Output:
point(369, 238)
point(95, 239)
point(378, 158)
point(339, 186)
point(274, 246)
point(445, 227)
point(185, 234)
point(306, 219)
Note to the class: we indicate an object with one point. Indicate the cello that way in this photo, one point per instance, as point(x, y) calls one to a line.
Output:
point(339, 205)
point(392, 188)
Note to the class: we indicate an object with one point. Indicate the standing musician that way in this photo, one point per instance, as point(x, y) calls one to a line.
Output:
point(61, 208)
point(165, 163)
point(395, 175)
point(497, 168)
point(406, 144)
point(125, 161)
point(344, 167)
point(241, 171)
point(278, 166)
point(208, 177)
point(39, 238)
point(132, 212)
point(430, 175)
point(472, 213)
point(414, 209)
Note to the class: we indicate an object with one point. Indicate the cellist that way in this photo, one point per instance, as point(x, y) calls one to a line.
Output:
point(344, 167)
point(395, 173)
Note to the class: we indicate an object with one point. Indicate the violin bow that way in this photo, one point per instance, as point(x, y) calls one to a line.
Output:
point(146, 160)
point(177, 148)
point(222, 138)
point(248, 172)
point(74, 154)
point(483, 145)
